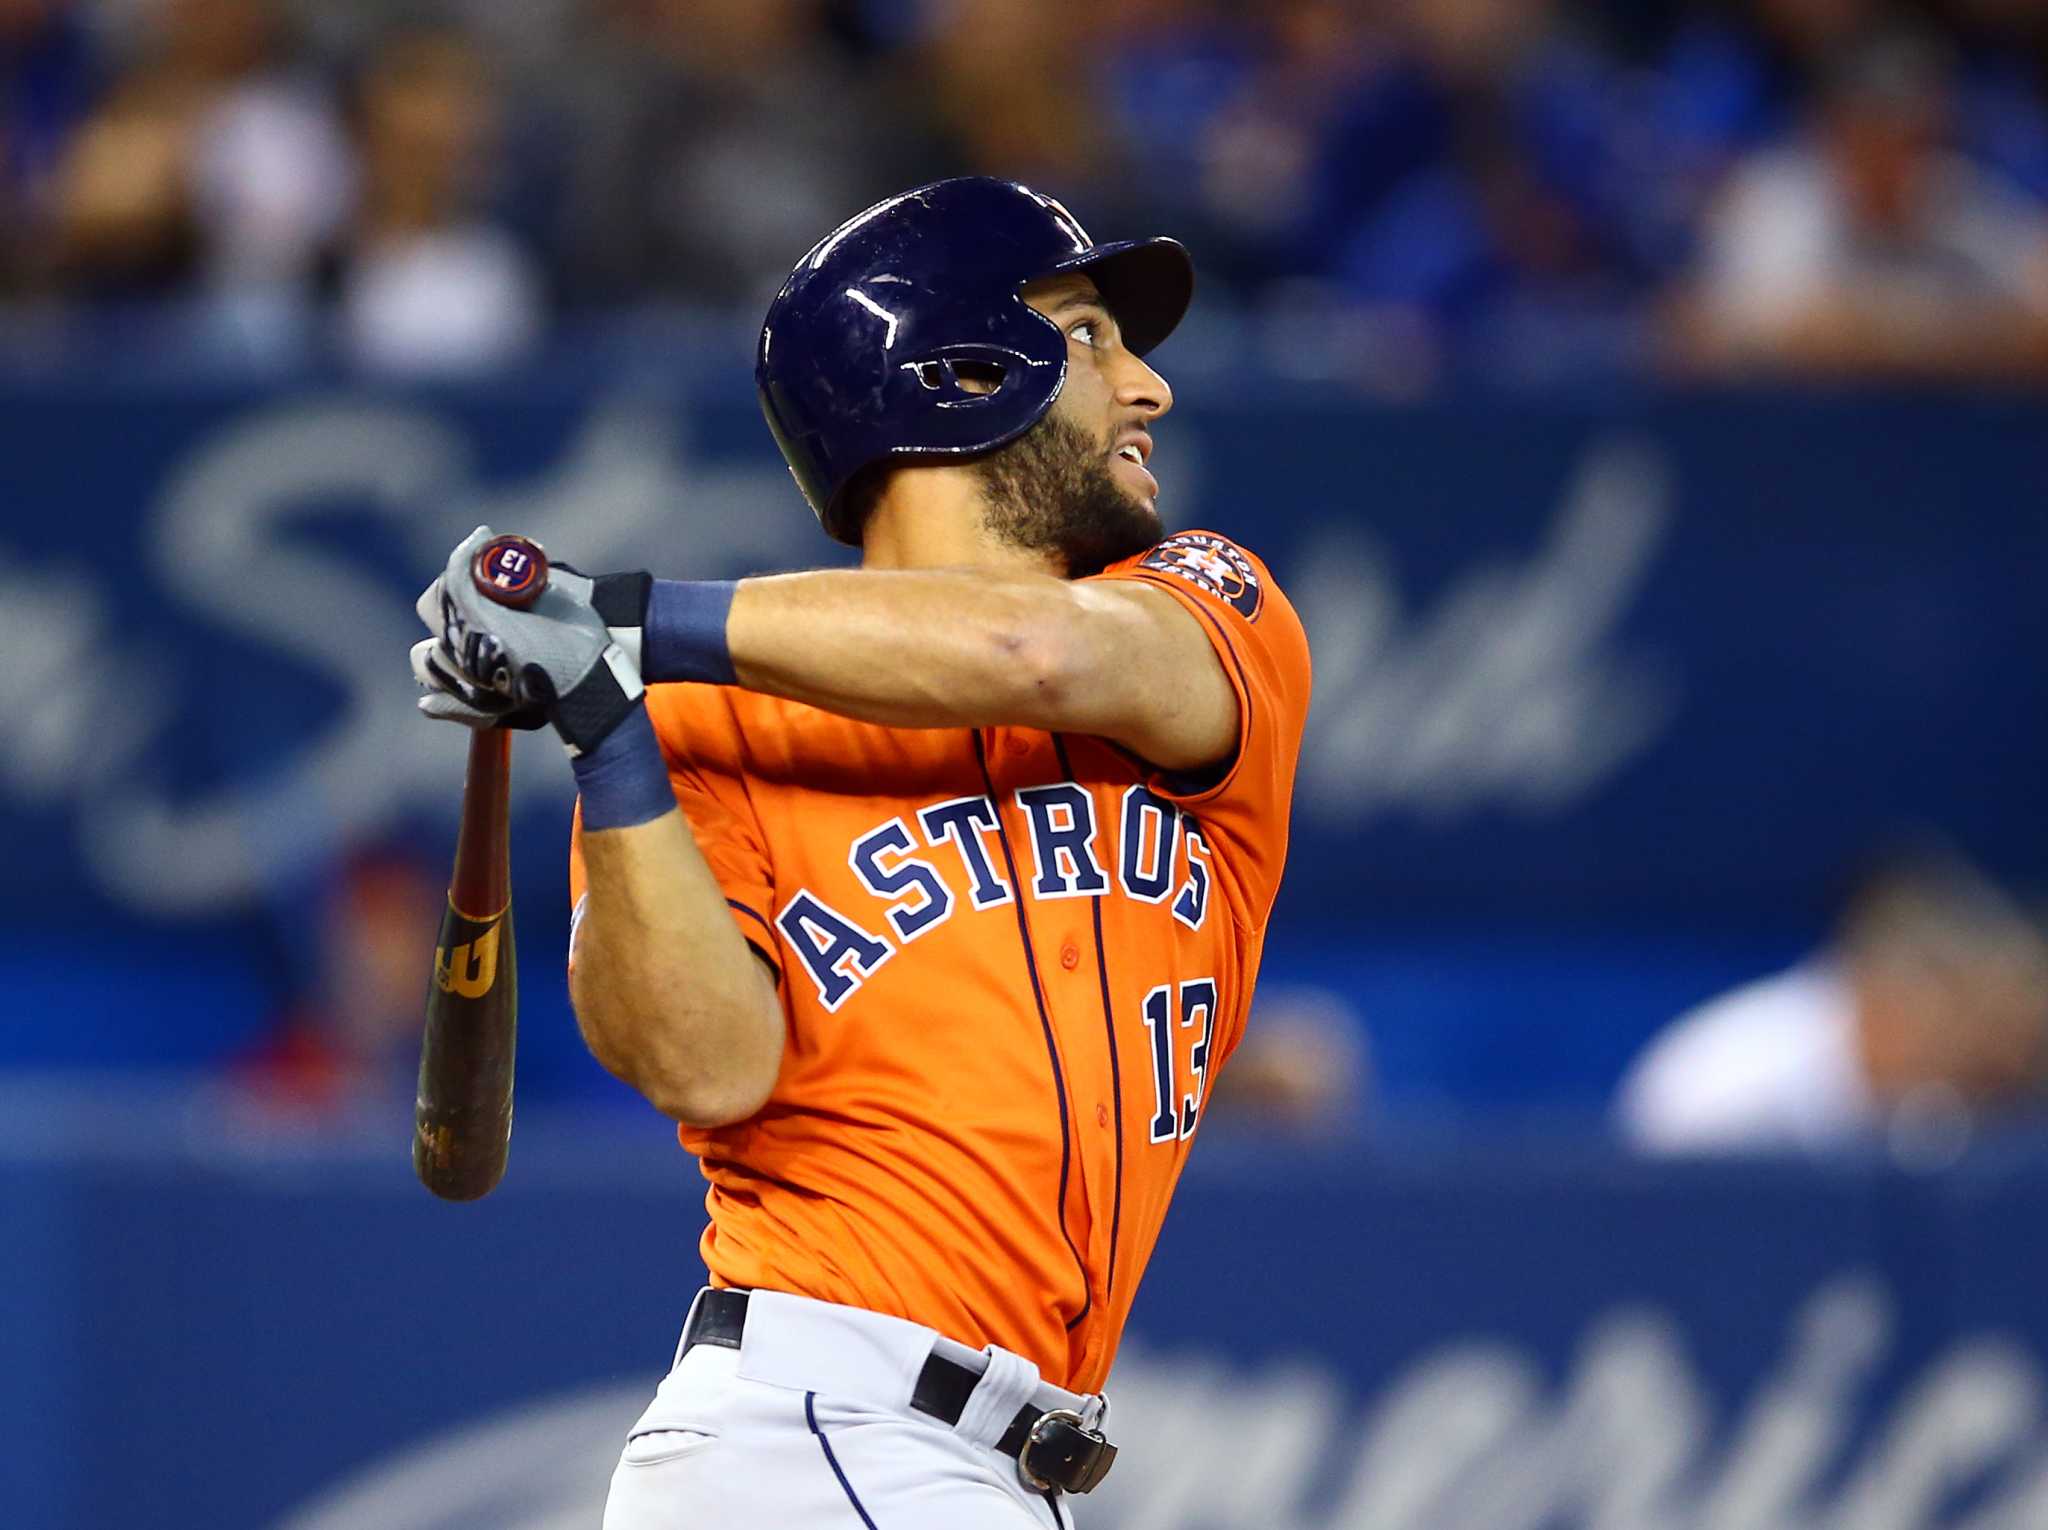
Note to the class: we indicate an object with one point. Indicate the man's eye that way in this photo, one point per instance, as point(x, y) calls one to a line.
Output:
point(1084, 332)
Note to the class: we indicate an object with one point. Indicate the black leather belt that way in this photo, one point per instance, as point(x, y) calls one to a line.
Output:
point(1054, 1451)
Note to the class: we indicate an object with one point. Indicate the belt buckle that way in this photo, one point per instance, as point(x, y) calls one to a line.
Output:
point(1078, 1457)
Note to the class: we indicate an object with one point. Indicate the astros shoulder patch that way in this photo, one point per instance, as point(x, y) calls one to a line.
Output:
point(1213, 564)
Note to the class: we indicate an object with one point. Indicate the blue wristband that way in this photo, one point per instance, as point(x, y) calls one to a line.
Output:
point(624, 780)
point(684, 634)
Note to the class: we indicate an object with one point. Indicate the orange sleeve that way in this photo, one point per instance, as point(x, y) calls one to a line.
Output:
point(1260, 643)
point(715, 804)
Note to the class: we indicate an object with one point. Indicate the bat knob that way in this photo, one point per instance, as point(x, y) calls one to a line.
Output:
point(512, 570)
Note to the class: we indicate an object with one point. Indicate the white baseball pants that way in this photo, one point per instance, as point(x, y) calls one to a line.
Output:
point(808, 1425)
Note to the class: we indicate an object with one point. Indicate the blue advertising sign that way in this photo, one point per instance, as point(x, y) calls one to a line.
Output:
point(1516, 1336)
point(1673, 662)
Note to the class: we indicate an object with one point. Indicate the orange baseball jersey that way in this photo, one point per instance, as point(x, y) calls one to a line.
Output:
point(1012, 962)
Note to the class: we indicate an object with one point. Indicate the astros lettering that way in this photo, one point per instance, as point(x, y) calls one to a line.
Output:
point(1161, 853)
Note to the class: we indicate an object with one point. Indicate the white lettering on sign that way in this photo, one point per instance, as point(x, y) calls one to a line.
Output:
point(226, 541)
point(1506, 691)
point(1474, 1434)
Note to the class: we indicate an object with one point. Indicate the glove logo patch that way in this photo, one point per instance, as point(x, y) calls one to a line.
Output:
point(1214, 564)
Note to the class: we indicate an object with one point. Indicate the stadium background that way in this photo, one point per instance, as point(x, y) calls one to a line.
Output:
point(1650, 606)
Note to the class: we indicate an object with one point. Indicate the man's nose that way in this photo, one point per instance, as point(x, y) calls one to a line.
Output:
point(1139, 387)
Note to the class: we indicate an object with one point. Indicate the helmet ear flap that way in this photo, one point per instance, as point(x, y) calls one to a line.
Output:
point(964, 378)
point(969, 375)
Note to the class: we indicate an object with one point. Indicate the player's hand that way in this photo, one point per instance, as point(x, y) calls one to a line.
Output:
point(556, 654)
point(451, 695)
point(448, 695)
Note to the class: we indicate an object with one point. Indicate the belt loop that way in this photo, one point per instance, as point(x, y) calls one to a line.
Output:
point(1095, 1410)
point(1005, 1387)
point(683, 1340)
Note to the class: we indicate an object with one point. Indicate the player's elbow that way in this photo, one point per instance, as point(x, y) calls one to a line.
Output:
point(702, 1092)
point(708, 1063)
point(1083, 665)
point(1067, 660)
point(730, 1081)
point(1034, 661)
point(707, 1102)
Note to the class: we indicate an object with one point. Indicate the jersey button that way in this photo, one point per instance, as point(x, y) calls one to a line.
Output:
point(1019, 746)
point(1101, 1115)
point(1070, 956)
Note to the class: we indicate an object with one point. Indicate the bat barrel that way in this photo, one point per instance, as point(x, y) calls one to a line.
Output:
point(462, 1118)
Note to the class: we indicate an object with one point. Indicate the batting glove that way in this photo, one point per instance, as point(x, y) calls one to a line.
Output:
point(448, 695)
point(557, 658)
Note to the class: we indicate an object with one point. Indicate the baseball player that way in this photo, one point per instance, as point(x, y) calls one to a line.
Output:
point(927, 897)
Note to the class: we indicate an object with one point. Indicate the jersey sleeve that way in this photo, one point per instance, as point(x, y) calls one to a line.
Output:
point(714, 803)
point(1260, 643)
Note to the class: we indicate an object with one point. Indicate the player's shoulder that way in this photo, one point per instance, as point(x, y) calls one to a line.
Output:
point(1217, 566)
point(1219, 576)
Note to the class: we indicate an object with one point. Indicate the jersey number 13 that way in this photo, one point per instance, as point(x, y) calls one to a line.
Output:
point(1177, 1108)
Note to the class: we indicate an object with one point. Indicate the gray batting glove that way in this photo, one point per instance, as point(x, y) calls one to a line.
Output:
point(448, 695)
point(556, 654)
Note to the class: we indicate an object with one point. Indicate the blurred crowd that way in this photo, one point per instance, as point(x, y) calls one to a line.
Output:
point(1924, 1015)
point(1392, 191)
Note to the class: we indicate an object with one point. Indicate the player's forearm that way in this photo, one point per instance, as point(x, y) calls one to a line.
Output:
point(940, 648)
point(668, 994)
point(916, 648)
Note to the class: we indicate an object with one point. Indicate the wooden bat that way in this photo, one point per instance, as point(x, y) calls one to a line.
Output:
point(462, 1118)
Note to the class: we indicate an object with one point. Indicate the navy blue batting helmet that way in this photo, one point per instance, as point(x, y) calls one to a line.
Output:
point(858, 357)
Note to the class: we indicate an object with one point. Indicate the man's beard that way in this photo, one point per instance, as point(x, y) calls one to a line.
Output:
point(1051, 491)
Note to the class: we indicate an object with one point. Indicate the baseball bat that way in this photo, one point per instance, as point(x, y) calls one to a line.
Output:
point(462, 1117)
